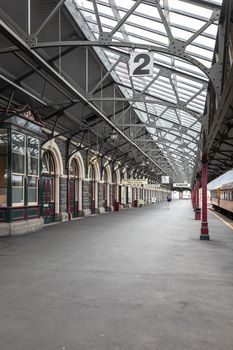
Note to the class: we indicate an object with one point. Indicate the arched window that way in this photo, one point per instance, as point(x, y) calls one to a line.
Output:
point(48, 165)
point(105, 176)
point(74, 170)
point(92, 172)
point(73, 195)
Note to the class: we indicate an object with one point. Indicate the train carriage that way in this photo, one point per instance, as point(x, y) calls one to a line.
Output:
point(222, 198)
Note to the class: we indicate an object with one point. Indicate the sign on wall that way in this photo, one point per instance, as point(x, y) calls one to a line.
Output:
point(141, 64)
point(165, 179)
point(134, 182)
point(182, 184)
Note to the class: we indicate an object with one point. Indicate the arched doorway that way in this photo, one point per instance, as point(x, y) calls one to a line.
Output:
point(48, 187)
point(74, 188)
point(105, 190)
point(92, 188)
point(114, 189)
point(107, 179)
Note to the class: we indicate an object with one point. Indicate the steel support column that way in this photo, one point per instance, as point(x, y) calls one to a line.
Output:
point(204, 224)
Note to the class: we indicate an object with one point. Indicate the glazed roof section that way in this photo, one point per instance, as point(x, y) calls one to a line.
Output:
point(172, 101)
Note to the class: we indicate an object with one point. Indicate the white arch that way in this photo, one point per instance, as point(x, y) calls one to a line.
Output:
point(54, 149)
point(108, 170)
point(78, 157)
point(118, 176)
point(125, 175)
point(95, 163)
point(81, 174)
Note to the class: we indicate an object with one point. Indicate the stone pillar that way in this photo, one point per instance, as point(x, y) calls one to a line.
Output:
point(100, 208)
point(204, 223)
point(86, 198)
point(110, 198)
point(63, 199)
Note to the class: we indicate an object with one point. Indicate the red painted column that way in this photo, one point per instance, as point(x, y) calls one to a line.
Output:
point(194, 193)
point(194, 196)
point(204, 224)
point(197, 209)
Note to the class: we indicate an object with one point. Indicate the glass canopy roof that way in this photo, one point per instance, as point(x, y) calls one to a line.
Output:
point(171, 102)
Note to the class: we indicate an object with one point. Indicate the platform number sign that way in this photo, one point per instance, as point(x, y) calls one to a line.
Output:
point(141, 64)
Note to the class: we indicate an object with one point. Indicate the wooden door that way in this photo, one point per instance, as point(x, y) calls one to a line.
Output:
point(48, 193)
point(73, 197)
point(114, 190)
point(92, 196)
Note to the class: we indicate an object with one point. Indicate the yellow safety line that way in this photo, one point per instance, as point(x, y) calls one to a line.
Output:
point(221, 219)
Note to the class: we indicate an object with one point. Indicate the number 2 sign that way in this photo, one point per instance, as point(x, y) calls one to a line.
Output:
point(141, 64)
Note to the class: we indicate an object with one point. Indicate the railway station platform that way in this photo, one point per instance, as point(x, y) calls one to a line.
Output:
point(136, 279)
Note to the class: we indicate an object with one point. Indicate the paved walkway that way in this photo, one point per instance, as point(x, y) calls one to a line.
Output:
point(135, 280)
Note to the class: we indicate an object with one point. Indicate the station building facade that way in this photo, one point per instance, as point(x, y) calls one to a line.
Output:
point(41, 182)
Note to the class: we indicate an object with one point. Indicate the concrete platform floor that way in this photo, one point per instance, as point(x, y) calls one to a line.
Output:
point(134, 280)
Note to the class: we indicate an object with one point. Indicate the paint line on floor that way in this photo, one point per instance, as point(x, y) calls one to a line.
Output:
point(221, 219)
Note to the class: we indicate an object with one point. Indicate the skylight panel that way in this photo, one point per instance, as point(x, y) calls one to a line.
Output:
point(190, 8)
point(188, 68)
point(147, 9)
point(107, 21)
point(165, 124)
point(204, 41)
point(105, 10)
point(134, 38)
point(212, 29)
point(88, 16)
point(126, 4)
point(145, 22)
point(192, 133)
point(170, 137)
point(162, 58)
point(186, 21)
point(146, 34)
point(180, 34)
point(199, 51)
point(163, 95)
point(85, 4)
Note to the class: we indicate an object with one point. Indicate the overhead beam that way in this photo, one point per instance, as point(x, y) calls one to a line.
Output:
point(18, 41)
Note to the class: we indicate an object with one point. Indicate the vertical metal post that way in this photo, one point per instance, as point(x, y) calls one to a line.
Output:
point(29, 17)
point(197, 209)
point(9, 177)
point(40, 187)
point(87, 73)
point(204, 224)
point(194, 196)
point(68, 180)
point(197, 193)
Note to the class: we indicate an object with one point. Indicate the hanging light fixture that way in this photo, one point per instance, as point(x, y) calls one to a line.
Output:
point(113, 135)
